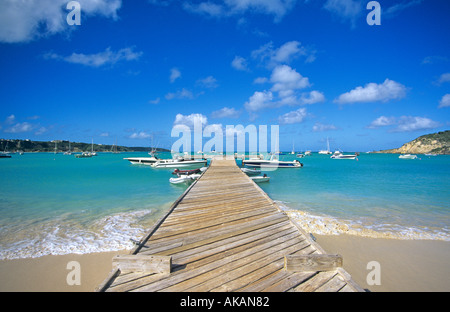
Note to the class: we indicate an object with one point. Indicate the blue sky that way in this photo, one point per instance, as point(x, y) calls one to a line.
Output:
point(136, 69)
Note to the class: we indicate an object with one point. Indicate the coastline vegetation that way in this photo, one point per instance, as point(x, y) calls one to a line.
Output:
point(61, 146)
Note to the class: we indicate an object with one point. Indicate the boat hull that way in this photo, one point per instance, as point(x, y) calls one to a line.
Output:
point(180, 164)
point(142, 160)
point(272, 164)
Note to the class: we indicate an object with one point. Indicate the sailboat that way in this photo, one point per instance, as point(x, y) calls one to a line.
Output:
point(326, 152)
point(69, 152)
point(114, 148)
point(92, 149)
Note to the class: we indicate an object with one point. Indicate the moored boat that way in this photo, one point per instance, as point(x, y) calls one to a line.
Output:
point(251, 171)
point(179, 163)
point(273, 162)
point(407, 156)
point(142, 160)
point(339, 155)
point(259, 179)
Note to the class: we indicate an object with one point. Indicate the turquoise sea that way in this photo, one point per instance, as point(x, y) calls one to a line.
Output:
point(59, 204)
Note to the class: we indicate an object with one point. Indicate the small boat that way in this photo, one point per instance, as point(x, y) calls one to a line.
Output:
point(259, 179)
point(430, 154)
point(83, 155)
point(407, 156)
point(339, 155)
point(300, 155)
point(188, 172)
point(142, 160)
point(308, 153)
point(251, 171)
point(272, 163)
point(4, 155)
point(185, 178)
point(179, 162)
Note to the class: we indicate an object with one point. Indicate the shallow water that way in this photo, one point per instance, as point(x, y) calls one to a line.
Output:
point(58, 204)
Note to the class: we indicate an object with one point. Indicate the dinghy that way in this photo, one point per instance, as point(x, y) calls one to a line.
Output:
point(259, 179)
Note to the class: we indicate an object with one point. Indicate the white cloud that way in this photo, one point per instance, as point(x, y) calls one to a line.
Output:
point(345, 9)
point(284, 78)
point(258, 101)
point(444, 78)
point(319, 127)
point(382, 121)
point(23, 21)
point(286, 83)
point(239, 63)
point(20, 127)
point(372, 92)
point(404, 123)
point(180, 94)
point(140, 135)
point(155, 101)
point(106, 57)
point(10, 120)
point(174, 74)
point(445, 101)
point(209, 82)
point(409, 123)
point(285, 54)
point(296, 116)
point(225, 112)
point(312, 97)
point(226, 8)
point(206, 8)
point(396, 8)
point(190, 120)
point(41, 130)
point(260, 80)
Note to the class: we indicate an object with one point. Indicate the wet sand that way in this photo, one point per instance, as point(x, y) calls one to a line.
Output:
point(406, 265)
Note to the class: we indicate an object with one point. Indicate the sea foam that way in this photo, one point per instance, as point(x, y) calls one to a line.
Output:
point(58, 237)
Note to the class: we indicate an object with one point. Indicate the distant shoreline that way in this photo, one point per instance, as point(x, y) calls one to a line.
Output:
point(61, 146)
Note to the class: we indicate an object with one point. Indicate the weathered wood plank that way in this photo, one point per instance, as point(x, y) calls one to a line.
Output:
point(142, 263)
point(226, 234)
point(308, 263)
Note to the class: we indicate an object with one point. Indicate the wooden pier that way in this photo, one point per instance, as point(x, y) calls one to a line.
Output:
point(226, 234)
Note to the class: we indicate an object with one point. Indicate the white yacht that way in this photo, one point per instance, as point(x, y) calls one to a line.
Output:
point(339, 155)
point(273, 162)
point(179, 162)
point(407, 156)
point(142, 160)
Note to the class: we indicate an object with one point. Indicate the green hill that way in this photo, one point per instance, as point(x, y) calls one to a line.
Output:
point(434, 143)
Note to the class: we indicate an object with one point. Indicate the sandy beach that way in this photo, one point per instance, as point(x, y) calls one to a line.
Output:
point(406, 265)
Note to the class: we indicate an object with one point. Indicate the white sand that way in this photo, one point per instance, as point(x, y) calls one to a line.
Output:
point(406, 265)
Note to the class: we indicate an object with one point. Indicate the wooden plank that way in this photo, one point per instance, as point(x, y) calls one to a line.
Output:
point(226, 234)
point(142, 263)
point(312, 263)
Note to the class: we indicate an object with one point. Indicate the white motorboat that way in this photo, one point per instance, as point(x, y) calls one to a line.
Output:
point(259, 179)
point(185, 178)
point(339, 155)
point(272, 163)
point(308, 153)
point(407, 156)
point(251, 171)
point(179, 163)
point(300, 155)
point(142, 160)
